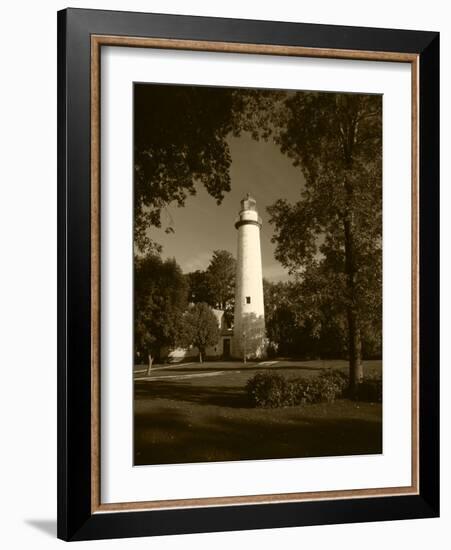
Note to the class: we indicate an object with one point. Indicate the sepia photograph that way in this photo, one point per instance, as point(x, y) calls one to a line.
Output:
point(248, 274)
point(257, 257)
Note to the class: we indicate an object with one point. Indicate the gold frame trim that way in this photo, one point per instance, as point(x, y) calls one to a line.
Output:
point(97, 41)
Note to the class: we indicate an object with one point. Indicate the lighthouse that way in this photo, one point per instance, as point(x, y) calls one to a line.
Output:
point(249, 319)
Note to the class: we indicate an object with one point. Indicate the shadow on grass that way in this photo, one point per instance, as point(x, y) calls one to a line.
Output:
point(183, 422)
point(221, 396)
point(167, 437)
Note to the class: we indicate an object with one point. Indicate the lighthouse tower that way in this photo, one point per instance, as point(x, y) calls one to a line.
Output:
point(249, 320)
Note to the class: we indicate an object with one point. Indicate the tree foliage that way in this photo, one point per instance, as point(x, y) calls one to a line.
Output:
point(199, 288)
point(180, 140)
point(160, 300)
point(221, 279)
point(332, 237)
point(200, 328)
point(282, 317)
point(298, 328)
point(216, 285)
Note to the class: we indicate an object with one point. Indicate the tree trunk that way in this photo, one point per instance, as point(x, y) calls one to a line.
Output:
point(355, 350)
point(349, 130)
point(200, 355)
point(149, 367)
point(354, 335)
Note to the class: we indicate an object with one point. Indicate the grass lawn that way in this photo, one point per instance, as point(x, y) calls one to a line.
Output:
point(200, 413)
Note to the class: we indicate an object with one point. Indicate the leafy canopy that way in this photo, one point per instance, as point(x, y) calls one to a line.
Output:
point(160, 300)
point(216, 285)
point(332, 237)
point(179, 141)
point(201, 327)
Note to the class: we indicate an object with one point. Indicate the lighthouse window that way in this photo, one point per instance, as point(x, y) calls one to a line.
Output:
point(248, 299)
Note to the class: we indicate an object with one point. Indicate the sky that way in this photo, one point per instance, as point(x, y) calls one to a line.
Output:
point(201, 226)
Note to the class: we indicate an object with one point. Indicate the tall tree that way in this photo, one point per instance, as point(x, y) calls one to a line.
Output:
point(221, 279)
point(284, 318)
point(199, 288)
point(280, 316)
point(335, 229)
point(160, 300)
point(201, 328)
point(216, 285)
point(294, 325)
point(179, 141)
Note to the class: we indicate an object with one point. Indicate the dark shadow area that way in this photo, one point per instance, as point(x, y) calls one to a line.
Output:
point(201, 395)
point(163, 437)
point(208, 419)
point(46, 526)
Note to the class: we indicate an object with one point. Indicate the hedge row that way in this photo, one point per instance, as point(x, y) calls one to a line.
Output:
point(272, 390)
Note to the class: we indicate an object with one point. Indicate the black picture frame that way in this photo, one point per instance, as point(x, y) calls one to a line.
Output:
point(76, 521)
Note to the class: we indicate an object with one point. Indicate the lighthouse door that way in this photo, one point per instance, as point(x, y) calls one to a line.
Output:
point(226, 348)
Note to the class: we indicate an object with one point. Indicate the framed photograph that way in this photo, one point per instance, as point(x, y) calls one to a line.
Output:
point(248, 274)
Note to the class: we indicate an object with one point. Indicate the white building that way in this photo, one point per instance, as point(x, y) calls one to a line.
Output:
point(249, 319)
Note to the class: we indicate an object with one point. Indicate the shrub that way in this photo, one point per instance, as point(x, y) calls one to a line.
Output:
point(337, 378)
point(270, 389)
point(267, 389)
point(325, 387)
point(370, 390)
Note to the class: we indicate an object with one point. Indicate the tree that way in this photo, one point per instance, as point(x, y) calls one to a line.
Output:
point(216, 285)
point(280, 316)
point(200, 328)
point(160, 300)
point(221, 280)
point(179, 141)
point(284, 319)
point(323, 315)
point(294, 328)
point(333, 234)
point(199, 288)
